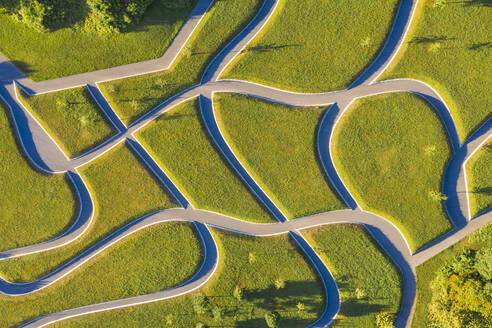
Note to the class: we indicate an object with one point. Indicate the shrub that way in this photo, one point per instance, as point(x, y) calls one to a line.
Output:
point(42, 14)
point(200, 304)
point(271, 319)
point(116, 15)
point(385, 320)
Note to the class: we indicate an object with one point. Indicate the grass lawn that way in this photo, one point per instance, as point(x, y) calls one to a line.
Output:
point(253, 264)
point(34, 206)
point(368, 280)
point(479, 176)
point(450, 49)
point(427, 271)
point(79, 49)
point(179, 142)
point(391, 152)
point(151, 260)
point(134, 96)
point(277, 144)
point(72, 117)
point(316, 45)
point(123, 190)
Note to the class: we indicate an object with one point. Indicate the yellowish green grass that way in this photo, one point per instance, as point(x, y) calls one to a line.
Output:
point(123, 191)
point(179, 142)
point(479, 176)
point(72, 117)
point(450, 49)
point(154, 259)
point(277, 144)
point(316, 45)
point(254, 265)
point(427, 271)
point(135, 96)
point(368, 280)
point(79, 48)
point(391, 152)
point(34, 207)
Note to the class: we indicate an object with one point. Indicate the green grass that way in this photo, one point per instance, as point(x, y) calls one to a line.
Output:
point(358, 265)
point(449, 48)
point(316, 45)
point(274, 257)
point(34, 206)
point(154, 259)
point(427, 271)
point(479, 176)
point(123, 190)
point(78, 49)
point(179, 142)
point(72, 117)
point(277, 144)
point(134, 96)
point(391, 152)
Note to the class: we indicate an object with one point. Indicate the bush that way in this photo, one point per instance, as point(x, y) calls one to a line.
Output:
point(385, 320)
point(116, 15)
point(271, 319)
point(42, 14)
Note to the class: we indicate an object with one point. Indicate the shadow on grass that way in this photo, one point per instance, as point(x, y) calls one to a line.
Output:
point(484, 191)
point(430, 39)
point(473, 3)
point(480, 46)
point(270, 47)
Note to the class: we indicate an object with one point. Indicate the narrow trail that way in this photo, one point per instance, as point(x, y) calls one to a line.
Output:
point(48, 157)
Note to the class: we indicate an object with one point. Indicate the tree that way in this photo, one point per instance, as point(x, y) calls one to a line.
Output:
point(200, 304)
point(218, 313)
point(461, 291)
point(300, 306)
point(238, 293)
point(385, 320)
point(271, 319)
point(116, 15)
point(279, 283)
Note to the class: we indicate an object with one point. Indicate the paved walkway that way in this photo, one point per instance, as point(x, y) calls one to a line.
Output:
point(47, 156)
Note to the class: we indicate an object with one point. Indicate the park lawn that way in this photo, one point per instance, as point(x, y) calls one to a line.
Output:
point(132, 97)
point(277, 145)
point(78, 49)
point(179, 142)
point(450, 49)
point(359, 265)
point(426, 272)
point(122, 189)
point(316, 45)
point(153, 259)
point(72, 117)
point(391, 151)
point(35, 206)
point(479, 178)
point(253, 264)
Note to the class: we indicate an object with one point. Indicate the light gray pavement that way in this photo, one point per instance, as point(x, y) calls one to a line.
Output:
point(42, 150)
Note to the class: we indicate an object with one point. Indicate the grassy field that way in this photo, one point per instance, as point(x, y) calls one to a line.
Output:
point(355, 260)
point(426, 272)
point(314, 45)
point(123, 191)
point(72, 117)
point(479, 177)
point(391, 152)
point(134, 96)
point(153, 259)
point(78, 48)
point(277, 144)
point(35, 207)
point(253, 264)
point(449, 50)
point(179, 141)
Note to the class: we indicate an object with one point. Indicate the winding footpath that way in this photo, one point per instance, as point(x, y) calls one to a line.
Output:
point(43, 151)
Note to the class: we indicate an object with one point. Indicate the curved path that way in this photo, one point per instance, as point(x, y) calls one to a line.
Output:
point(46, 154)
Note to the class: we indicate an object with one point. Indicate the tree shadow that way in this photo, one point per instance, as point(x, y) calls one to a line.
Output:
point(484, 191)
point(480, 46)
point(270, 47)
point(473, 3)
point(430, 39)
point(353, 307)
point(23, 66)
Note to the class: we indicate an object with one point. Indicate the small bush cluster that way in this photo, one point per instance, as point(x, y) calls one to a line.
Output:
point(44, 14)
point(116, 15)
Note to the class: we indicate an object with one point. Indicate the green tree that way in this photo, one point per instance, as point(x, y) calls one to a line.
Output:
point(116, 15)
point(238, 293)
point(218, 313)
point(385, 320)
point(200, 304)
point(271, 319)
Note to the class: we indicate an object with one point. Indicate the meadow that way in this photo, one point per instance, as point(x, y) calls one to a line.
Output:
point(391, 152)
point(479, 178)
point(278, 146)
